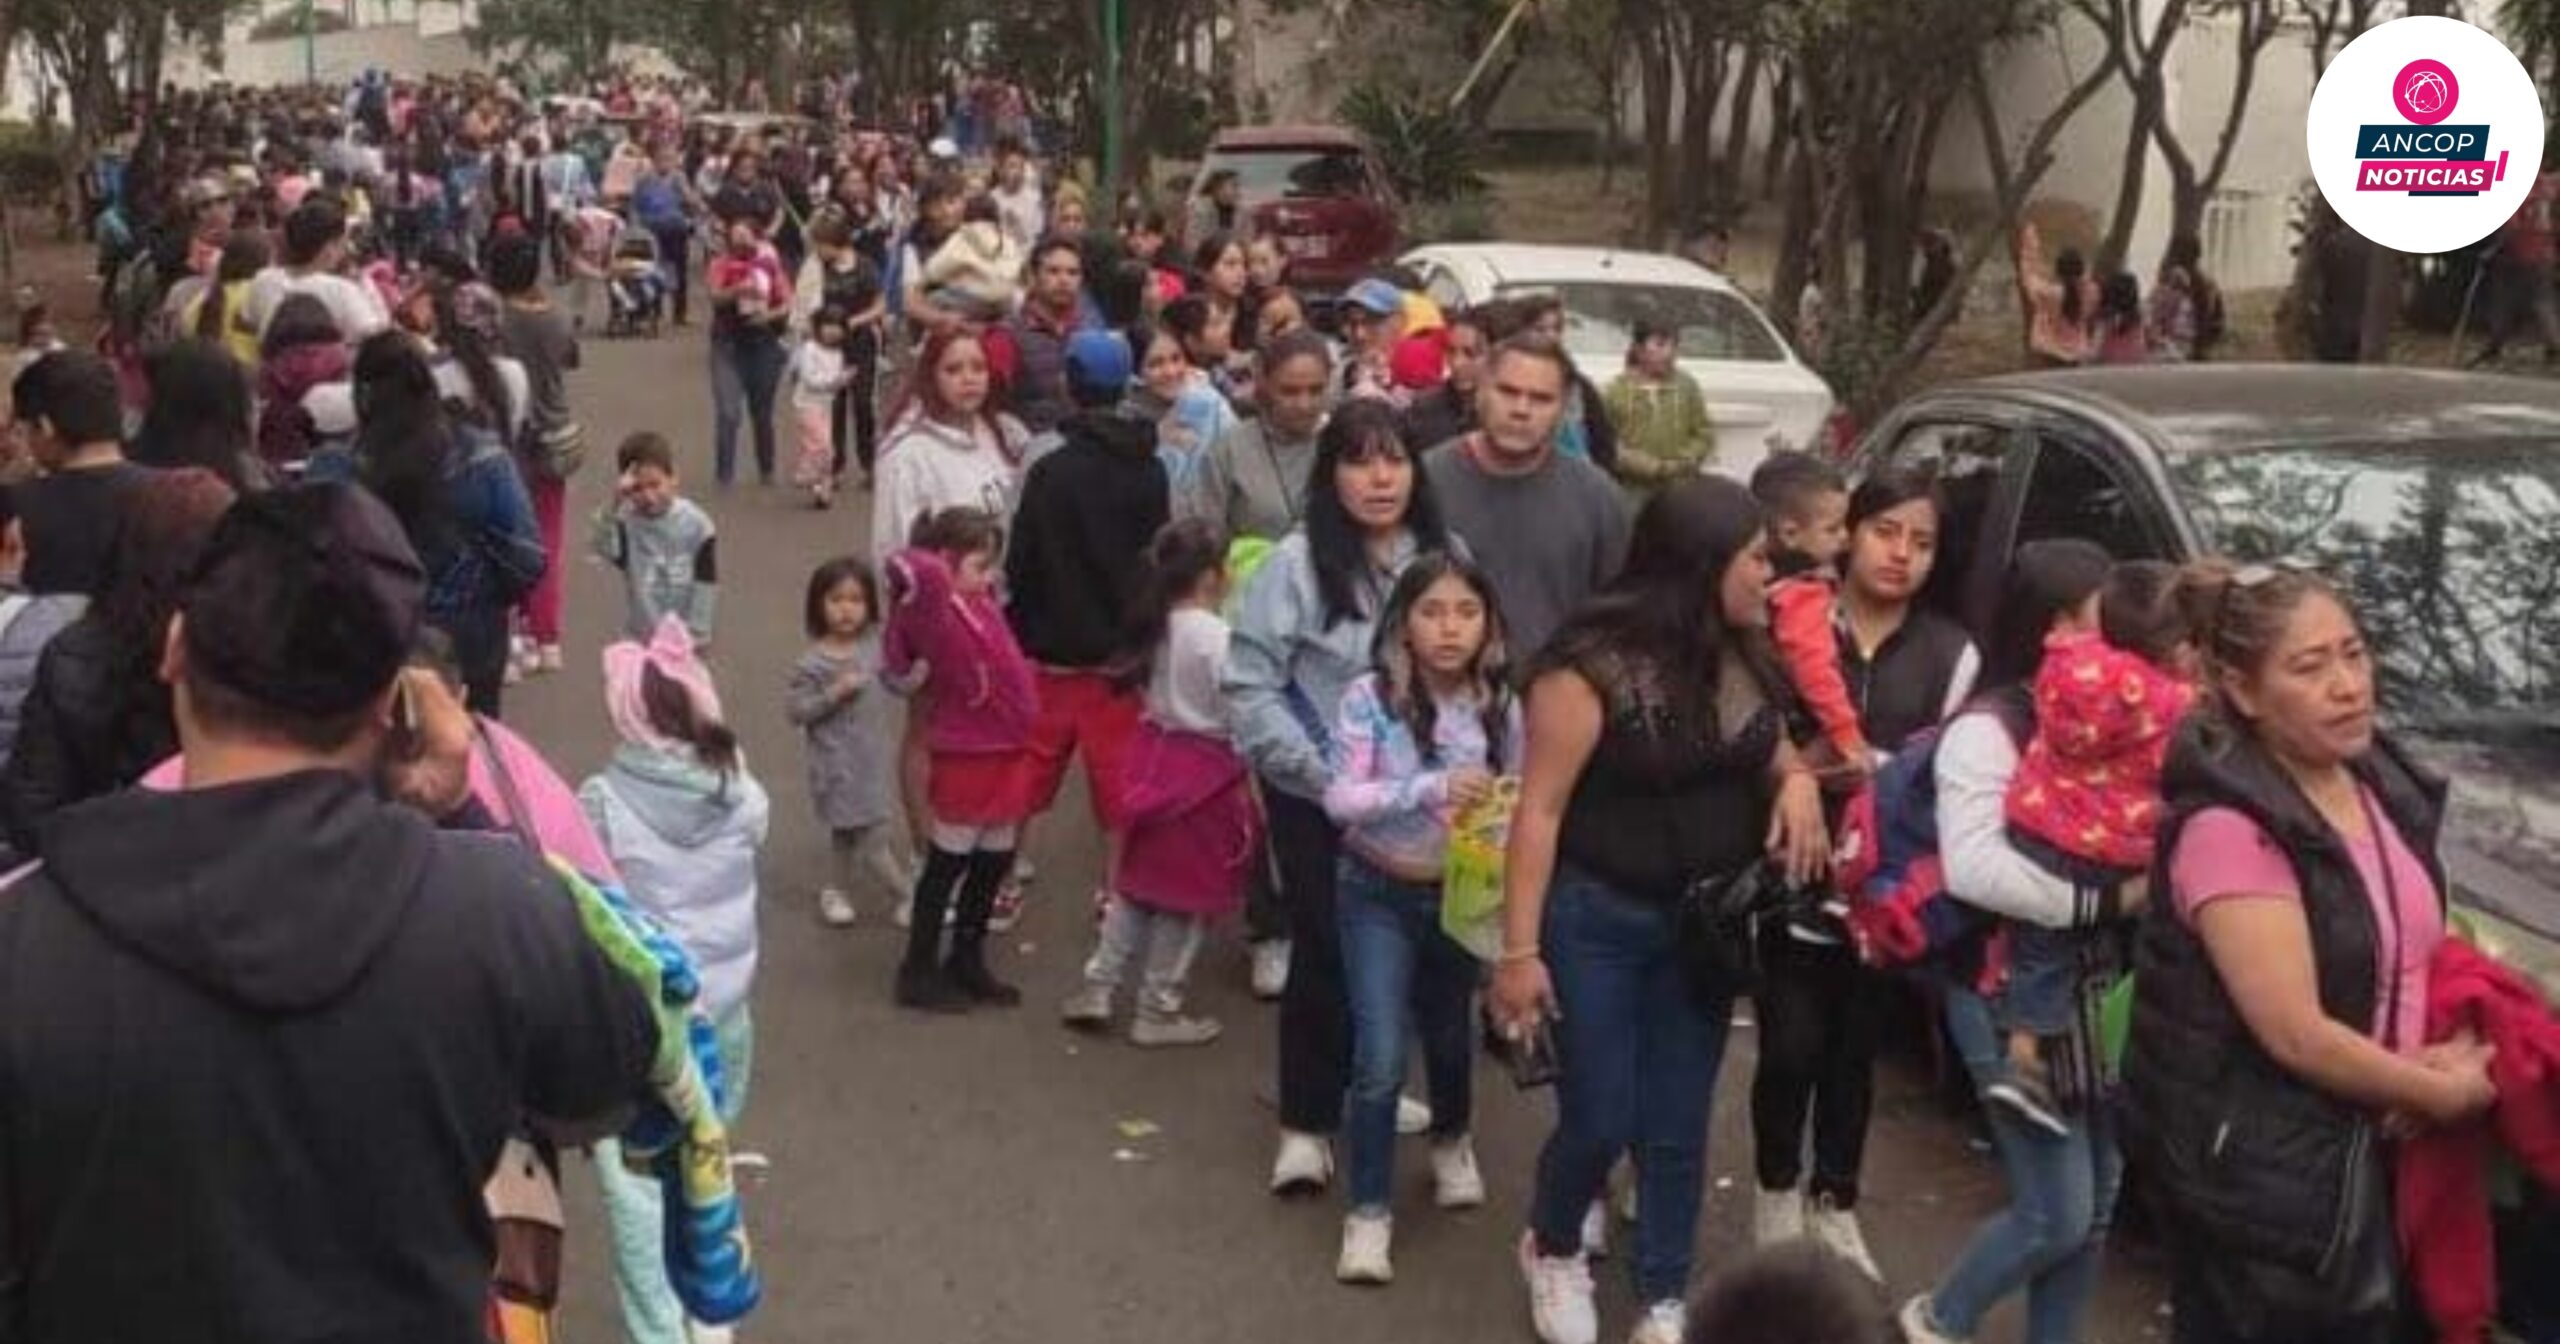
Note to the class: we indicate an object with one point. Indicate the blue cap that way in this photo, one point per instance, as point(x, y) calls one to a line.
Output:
point(1377, 296)
point(1098, 366)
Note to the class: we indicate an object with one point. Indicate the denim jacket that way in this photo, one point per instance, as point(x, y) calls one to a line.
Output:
point(1286, 671)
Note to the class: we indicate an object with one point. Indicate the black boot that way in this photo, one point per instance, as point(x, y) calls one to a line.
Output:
point(967, 969)
point(921, 982)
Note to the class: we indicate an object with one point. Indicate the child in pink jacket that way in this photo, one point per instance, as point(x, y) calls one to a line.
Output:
point(979, 701)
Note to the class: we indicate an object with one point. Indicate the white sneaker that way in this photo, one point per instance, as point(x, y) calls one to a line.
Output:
point(1456, 1183)
point(835, 909)
point(1919, 1328)
point(548, 658)
point(1776, 1216)
point(1835, 1229)
point(1304, 1164)
point(1025, 872)
point(1270, 968)
point(1595, 1230)
point(1560, 1306)
point(905, 914)
point(1088, 1008)
point(1665, 1322)
point(1412, 1117)
point(1154, 1031)
point(1365, 1239)
point(698, 1333)
point(1008, 907)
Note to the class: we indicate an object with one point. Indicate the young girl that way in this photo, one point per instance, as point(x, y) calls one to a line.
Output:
point(1427, 734)
point(2122, 337)
point(1192, 829)
point(978, 705)
point(2085, 802)
point(818, 373)
point(849, 718)
point(683, 820)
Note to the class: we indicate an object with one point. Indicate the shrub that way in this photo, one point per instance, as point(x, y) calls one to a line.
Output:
point(1428, 150)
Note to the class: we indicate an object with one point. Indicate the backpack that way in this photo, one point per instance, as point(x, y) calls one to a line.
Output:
point(1886, 856)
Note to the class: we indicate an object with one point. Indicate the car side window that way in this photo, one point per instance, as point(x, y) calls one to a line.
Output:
point(1966, 457)
point(1443, 288)
point(2071, 493)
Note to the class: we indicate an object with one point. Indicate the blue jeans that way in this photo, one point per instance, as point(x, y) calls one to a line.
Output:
point(2062, 1194)
point(745, 375)
point(1403, 975)
point(1640, 1049)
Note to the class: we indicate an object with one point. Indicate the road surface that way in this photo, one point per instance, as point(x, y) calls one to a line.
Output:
point(996, 1178)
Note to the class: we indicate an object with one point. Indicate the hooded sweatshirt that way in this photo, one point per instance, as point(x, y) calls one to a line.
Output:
point(1080, 539)
point(685, 837)
point(264, 1044)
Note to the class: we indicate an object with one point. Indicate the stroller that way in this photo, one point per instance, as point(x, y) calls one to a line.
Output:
point(635, 285)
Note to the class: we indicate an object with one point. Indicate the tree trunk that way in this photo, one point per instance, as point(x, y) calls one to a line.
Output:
point(1730, 174)
point(2130, 181)
point(1795, 232)
point(1782, 111)
point(1654, 70)
point(1701, 88)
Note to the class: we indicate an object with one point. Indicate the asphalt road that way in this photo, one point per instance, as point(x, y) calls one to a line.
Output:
point(997, 1178)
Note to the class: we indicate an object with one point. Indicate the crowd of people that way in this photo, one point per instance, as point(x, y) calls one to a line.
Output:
point(1310, 605)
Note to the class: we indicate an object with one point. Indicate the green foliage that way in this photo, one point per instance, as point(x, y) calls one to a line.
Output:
point(1427, 148)
point(1465, 219)
point(31, 161)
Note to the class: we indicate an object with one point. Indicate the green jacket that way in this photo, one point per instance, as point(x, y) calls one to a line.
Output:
point(1663, 431)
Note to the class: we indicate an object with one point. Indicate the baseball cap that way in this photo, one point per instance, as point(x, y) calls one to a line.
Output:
point(1098, 366)
point(1376, 297)
point(306, 600)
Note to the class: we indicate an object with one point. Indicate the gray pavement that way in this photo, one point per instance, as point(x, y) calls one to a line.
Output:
point(996, 1178)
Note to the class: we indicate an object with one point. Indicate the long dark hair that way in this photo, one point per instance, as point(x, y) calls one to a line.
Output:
point(824, 580)
point(1356, 433)
point(1183, 552)
point(1400, 683)
point(301, 319)
point(199, 411)
point(1665, 608)
point(244, 254)
point(490, 406)
point(162, 523)
point(671, 711)
point(2046, 579)
point(2071, 268)
point(403, 441)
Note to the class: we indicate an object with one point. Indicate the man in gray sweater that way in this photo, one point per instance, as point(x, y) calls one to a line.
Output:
point(1548, 529)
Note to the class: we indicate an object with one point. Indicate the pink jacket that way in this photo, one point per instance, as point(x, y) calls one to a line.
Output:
point(1193, 826)
point(557, 819)
point(980, 698)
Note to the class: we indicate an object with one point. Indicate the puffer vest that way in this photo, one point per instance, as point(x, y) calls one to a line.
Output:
point(2250, 1161)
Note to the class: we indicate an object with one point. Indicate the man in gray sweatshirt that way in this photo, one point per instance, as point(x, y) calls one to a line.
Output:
point(1548, 529)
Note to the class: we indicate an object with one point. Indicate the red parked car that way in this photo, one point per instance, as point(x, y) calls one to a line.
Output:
point(1319, 190)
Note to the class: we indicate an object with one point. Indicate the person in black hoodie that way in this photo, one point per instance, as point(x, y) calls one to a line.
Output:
point(269, 1032)
point(1080, 536)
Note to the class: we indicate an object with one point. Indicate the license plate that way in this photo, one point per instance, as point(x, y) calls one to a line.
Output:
point(1313, 248)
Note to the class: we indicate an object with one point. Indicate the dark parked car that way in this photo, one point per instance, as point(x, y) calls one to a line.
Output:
point(2433, 497)
point(1318, 190)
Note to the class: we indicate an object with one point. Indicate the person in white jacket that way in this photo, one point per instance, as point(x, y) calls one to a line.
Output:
point(684, 821)
point(946, 448)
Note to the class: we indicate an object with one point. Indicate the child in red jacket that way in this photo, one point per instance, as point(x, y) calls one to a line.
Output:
point(1808, 503)
point(2085, 802)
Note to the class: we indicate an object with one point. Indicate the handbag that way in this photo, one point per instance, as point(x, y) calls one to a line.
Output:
point(1720, 922)
point(557, 451)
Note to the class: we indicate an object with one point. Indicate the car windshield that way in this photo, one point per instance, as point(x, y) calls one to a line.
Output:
point(2449, 553)
point(1600, 318)
point(1293, 174)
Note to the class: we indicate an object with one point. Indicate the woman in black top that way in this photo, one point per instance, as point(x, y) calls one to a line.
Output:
point(1820, 1010)
point(1656, 759)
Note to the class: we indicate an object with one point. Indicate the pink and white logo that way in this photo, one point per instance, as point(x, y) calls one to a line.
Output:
point(2426, 91)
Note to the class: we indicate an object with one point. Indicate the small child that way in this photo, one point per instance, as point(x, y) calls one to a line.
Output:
point(664, 544)
point(1427, 734)
point(1191, 824)
point(2085, 802)
point(818, 374)
point(979, 704)
point(683, 820)
point(1808, 504)
point(848, 716)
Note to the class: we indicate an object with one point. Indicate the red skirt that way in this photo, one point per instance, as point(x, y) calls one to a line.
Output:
point(978, 788)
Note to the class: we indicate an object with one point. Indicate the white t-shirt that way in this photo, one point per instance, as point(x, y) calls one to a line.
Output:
point(357, 310)
point(1182, 690)
point(453, 383)
point(1021, 212)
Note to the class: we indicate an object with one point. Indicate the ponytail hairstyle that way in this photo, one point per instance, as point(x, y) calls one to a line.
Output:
point(2240, 612)
point(244, 254)
point(1183, 552)
point(674, 713)
point(957, 533)
point(1400, 682)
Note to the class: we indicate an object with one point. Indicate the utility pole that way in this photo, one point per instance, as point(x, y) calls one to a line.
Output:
point(310, 46)
point(1111, 127)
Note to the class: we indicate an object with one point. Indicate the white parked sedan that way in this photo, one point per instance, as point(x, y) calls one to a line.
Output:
point(1759, 395)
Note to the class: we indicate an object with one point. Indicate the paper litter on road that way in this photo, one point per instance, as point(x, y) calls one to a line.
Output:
point(1139, 1129)
point(1127, 1155)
